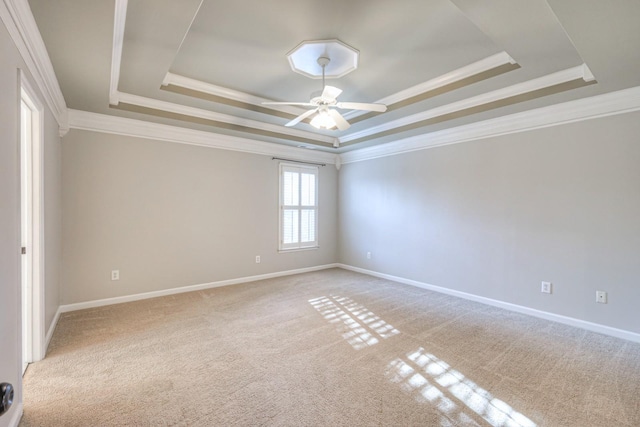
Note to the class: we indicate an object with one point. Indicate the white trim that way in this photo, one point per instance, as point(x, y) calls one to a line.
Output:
point(338, 162)
point(310, 248)
point(115, 96)
point(37, 222)
point(51, 330)
point(620, 102)
point(456, 75)
point(219, 117)
point(84, 120)
point(211, 89)
point(17, 412)
point(588, 75)
point(549, 80)
point(119, 19)
point(17, 17)
point(154, 294)
point(461, 73)
point(303, 58)
point(578, 323)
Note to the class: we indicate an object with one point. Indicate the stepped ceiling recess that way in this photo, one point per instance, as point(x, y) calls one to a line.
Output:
point(437, 64)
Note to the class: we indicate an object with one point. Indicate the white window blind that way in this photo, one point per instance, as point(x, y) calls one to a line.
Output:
point(298, 207)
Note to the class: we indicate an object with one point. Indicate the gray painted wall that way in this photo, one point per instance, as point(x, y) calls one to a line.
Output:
point(496, 217)
point(168, 215)
point(52, 218)
point(10, 320)
point(10, 341)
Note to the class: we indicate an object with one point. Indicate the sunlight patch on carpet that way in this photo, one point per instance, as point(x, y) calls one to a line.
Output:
point(358, 325)
point(430, 379)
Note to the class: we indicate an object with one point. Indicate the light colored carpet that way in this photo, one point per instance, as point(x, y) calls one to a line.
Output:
point(327, 348)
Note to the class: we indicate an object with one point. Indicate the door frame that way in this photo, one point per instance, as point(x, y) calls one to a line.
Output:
point(36, 223)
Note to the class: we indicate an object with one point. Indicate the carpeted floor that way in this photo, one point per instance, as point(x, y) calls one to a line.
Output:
point(330, 348)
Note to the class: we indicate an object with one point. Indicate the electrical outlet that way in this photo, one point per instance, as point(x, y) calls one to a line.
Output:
point(545, 288)
point(368, 255)
point(601, 297)
point(257, 259)
point(115, 274)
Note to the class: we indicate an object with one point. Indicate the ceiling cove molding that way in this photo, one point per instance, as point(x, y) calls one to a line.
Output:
point(223, 92)
point(95, 122)
point(454, 76)
point(570, 74)
point(119, 19)
point(170, 107)
point(478, 67)
point(17, 17)
point(620, 102)
point(116, 97)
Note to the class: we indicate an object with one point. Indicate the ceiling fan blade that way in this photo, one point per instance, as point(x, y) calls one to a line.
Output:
point(341, 123)
point(306, 104)
point(330, 92)
point(301, 117)
point(362, 106)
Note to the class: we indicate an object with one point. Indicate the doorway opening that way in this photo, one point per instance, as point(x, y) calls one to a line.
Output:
point(32, 225)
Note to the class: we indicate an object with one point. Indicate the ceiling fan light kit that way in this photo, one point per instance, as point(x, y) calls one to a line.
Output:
point(323, 120)
point(323, 101)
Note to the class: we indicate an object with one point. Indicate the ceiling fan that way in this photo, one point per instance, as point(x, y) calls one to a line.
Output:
point(325, 104)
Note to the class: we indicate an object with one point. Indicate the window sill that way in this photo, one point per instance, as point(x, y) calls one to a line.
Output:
point(312, 248)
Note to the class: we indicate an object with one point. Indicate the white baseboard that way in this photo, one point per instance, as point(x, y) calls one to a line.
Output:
point(583, 324)
point(136, 297)
point(17, 414)
point(52, 328)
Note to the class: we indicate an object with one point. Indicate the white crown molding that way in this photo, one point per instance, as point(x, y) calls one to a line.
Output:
point(119, 19)
point(84, 120)
point(211, 89)
point(481, 66)
point(462, 73)
point(549, 80)
point(19, 21)
point(478, 67)
point(115, 97)
point(587, 75)
point(571, 321)
point(613, 103)
point(170, 107)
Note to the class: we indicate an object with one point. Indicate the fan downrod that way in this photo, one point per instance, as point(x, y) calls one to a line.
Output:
point(323, 61)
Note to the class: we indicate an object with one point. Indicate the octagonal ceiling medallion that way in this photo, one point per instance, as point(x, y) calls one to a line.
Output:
point(304, 58)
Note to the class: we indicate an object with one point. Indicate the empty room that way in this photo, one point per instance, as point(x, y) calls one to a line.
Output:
point(320, 213)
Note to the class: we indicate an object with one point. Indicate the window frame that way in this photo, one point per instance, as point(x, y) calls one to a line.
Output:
point(300, 169)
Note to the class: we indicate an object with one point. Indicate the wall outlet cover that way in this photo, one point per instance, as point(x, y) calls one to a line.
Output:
point(545, 287)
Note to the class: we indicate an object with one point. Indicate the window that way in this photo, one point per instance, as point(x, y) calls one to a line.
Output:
point(298, 207)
